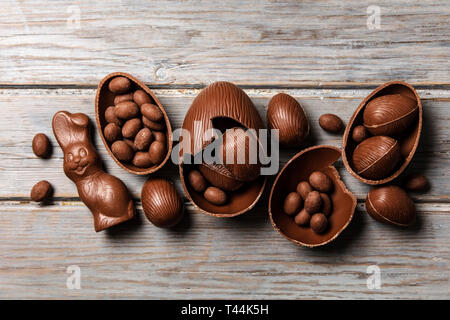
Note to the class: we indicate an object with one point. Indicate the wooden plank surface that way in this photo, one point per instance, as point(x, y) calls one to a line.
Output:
point(247, 42)
point(321, 52)
point(20, 165)
point(210, 258)
point(206, 257)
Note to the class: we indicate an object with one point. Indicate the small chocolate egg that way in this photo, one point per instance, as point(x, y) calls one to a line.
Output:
point(302, 218)
point(157, 152)
point(390, 204)
point(327, 205)
point(320, 181)
point(318, 222)
point(331, 123)
point(303, 188)
point(292, 203)
point(313, 202)
point(197, 181)
point(417, 182)
point(41, 191)
point(215, 196)
point(360, 133)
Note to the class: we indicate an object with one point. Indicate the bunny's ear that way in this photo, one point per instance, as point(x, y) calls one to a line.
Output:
point(82, 121)
point(70, 128)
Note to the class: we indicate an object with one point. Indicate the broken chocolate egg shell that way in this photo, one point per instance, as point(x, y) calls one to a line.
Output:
point(105, 98)
point(239, 201)
point(222, 106)
point(299, 168)
point(408, 141)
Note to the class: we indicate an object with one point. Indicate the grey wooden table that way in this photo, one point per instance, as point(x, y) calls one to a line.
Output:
point(327, 54)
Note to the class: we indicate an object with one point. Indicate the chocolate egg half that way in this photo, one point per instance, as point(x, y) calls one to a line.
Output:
point(299, 168)
point(408, 139)
point(287, 115)
point(161, 202)
point(390, 114)
point(390, 204)
point(376, 157)
point(105, 98)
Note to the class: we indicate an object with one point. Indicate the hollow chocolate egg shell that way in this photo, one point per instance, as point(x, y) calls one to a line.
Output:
point(105, 98)
point(299, 168)
point(408, 140)
point(221, 105)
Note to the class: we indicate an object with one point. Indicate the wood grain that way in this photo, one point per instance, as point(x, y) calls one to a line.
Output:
point(31, 111)
point(208, 258)
point(283, 43)
point(321, 52)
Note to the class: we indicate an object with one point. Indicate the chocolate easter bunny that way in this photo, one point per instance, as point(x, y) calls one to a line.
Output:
point(105, 195)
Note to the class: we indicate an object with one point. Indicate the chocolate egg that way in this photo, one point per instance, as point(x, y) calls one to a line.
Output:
point(360, 133)
point(313, 202)
point(287, 115)
point(390, 204)
point(417, 182)
point(221, 106)
point(142, 159)
point(327, 205)
point(161, 202)
point(331, 123)
point(216, 106)
point(318, 222)
point(105, 112)
point(292, 203)
point(119, 85)
point(303, 189)
point(219, 176)
point(41, 146)
point(407, 140)
point(375, 158)
point(112, 132)
point(390, 114)
point(41, 191)
point(215, 196)
point(238, 148)
point(122, 150)
point(302, 218)
point(299, 168)
point(197, 181)
point(320, 181)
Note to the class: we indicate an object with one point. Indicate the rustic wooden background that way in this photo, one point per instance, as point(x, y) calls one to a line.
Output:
point(53, 54)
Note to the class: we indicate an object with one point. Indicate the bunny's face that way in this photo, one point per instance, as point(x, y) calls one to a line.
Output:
point(80, 160)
